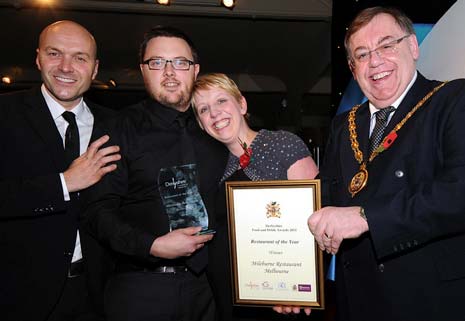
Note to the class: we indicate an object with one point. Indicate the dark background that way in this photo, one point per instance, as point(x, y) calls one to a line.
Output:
point(286, 56)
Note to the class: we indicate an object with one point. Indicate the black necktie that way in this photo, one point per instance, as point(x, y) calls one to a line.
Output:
point(71, 138)
point(377, 135)
point(198, 261)
point(186, 144)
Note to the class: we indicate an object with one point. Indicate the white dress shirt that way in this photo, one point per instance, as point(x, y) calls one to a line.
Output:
point(85, 123)
point(396, 104)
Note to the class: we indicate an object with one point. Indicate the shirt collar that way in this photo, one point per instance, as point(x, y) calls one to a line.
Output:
point(396, 103)
point(165, 113)
point(56, 109)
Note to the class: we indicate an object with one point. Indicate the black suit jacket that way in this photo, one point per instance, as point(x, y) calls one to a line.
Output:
point(37, 227)
point(411, 263)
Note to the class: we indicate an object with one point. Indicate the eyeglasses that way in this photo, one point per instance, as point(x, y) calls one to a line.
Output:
point(383, 50)
point(160, 63)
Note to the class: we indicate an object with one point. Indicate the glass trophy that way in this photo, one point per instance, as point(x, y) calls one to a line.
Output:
point(181, 198)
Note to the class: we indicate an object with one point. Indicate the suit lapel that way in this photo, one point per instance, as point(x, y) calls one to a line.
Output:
point(420, 89)
point(362, 121)
point(41, 120)
point(99, 118)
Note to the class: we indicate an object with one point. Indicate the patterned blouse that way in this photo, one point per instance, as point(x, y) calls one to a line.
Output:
point(273, 152)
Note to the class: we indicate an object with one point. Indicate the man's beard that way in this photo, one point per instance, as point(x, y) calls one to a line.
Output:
point(180, 102)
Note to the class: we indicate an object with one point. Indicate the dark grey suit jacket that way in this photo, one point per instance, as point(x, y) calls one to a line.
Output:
point(37, 227)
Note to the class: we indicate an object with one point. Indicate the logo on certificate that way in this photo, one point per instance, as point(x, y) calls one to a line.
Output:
point(252, 285)
point(302, 287)
point(273, 210)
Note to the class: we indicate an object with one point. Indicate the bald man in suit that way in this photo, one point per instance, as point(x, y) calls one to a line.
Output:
point(51, 269)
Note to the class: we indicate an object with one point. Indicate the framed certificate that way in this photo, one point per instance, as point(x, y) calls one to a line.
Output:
point(274, 257)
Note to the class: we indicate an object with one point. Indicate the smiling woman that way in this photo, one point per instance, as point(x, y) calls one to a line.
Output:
point(220, 109)
point(265, 155)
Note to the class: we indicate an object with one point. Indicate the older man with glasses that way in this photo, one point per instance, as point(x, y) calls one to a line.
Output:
point(394, 176)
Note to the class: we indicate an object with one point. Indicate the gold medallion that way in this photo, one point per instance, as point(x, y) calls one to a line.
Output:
point(359, 180)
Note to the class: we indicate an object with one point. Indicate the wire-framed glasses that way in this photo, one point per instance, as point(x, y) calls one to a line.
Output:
point(383, 50)
point(160, 63)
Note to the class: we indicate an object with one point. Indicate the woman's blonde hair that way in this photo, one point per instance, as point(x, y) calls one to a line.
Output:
point(216, 80)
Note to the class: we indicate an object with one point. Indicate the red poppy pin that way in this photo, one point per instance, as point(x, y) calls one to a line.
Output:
point(245, 158)
point(387, 142)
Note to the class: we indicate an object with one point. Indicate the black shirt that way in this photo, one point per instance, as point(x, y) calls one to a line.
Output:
point(127, 211)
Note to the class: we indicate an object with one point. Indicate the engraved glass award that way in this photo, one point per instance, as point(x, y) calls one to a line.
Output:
point(181, 198)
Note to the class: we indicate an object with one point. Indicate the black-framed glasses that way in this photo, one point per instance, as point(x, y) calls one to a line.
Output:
point(390, 47)
point(160, 63)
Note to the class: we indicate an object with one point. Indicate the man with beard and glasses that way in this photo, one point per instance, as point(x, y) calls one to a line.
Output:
point(151, 210)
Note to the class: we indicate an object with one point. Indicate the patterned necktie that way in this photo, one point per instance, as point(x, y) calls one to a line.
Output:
point(377, 135)
point(71, 138)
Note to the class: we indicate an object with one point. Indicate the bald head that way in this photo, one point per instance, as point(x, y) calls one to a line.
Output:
point(71, 28)
point(66, 58)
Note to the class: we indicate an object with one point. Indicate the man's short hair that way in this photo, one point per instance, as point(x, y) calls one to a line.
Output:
point(170, 32)
point(365, 16)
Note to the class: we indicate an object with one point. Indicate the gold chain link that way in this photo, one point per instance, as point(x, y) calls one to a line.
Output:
point(353, 127)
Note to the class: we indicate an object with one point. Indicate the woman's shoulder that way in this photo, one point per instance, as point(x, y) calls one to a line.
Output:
point(280, 144)
point(279, 137)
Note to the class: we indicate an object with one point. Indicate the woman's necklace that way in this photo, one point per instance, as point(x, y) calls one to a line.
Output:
point(360, 179)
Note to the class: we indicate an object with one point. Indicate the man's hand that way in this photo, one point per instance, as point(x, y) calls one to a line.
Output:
point(331, 225)
point(180, 242)
point(90, 167)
